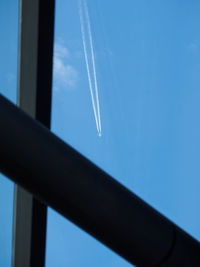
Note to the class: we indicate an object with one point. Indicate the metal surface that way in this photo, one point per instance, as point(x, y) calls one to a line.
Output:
point(34, 97)
point(62, 178)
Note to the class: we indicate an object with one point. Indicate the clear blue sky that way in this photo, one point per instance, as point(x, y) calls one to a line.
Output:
point(147, 59)
point(8, 87)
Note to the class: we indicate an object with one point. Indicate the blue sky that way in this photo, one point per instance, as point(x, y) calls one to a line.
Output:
point(147, 64)
point(8, 87)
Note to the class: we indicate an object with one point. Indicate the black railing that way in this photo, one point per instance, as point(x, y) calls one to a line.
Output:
point(65, 180)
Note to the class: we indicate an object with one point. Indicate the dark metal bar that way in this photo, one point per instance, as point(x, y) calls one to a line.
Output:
point(34, 97)
point(61, 177)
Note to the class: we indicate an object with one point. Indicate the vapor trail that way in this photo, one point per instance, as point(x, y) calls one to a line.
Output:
point(93, 64)
point(87, 64)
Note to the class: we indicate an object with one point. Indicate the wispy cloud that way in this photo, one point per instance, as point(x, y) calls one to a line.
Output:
point(65, 75)
point(61, 51)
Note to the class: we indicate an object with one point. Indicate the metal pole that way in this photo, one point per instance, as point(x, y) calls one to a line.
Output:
point(61, 177)
point(34, 97)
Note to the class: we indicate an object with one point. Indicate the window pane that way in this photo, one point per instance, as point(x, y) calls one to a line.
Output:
point(8, 87)
point(126, 95)
point(8, 48)
point(6, 222)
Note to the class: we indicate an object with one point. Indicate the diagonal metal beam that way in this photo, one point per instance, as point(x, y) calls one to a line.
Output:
point(62, 178)
point(34, 97)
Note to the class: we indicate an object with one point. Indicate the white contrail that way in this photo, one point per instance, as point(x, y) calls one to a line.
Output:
point(87, 63)
point(93, 64)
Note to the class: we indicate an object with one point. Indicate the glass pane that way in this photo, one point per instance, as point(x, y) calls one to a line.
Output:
point(8, 48)
point(6, 222)
point(126, 95)
point(8, 87)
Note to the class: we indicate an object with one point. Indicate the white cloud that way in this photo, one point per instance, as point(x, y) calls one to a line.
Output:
point(61, 51)
point(65, 74)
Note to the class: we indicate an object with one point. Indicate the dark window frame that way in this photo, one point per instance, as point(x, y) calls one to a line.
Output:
point(34, 97)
